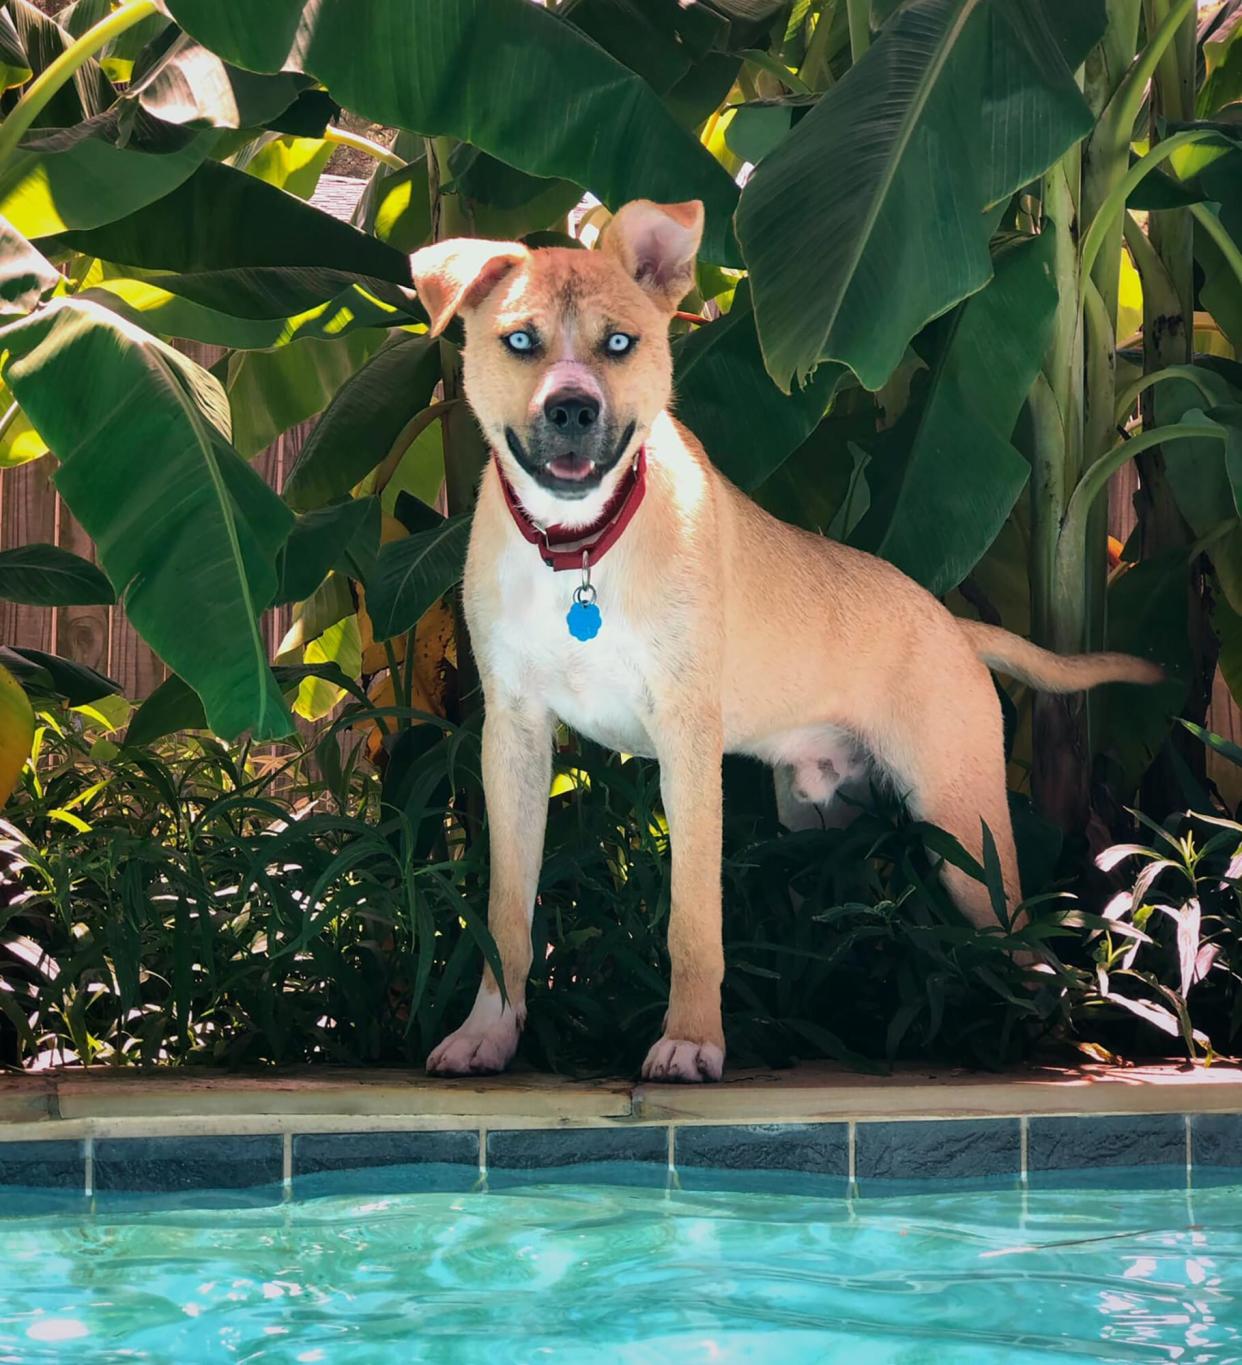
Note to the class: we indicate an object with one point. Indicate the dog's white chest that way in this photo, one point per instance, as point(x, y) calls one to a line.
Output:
point(598, 687)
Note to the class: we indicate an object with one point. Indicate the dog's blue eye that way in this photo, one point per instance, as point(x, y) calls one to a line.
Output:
point(618, 343)
point(521, 342)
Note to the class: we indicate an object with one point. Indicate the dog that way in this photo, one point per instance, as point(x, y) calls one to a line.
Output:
point(617, 582)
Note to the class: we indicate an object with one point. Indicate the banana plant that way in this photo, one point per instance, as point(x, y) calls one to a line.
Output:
point(964, 259)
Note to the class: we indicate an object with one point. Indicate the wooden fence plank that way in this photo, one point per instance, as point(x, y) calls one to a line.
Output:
point(28, 516)
point(82, 632)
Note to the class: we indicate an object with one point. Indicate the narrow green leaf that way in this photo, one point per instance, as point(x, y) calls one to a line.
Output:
point(173, 706)
point(326, 539)
point(49, 673)
point(412, 574)
point(47, 576)
point(364, 419)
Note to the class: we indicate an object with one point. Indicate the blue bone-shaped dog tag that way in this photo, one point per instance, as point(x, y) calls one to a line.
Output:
point(584, 620)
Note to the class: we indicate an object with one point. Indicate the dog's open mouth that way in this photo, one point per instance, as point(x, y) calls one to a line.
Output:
point(572, 467)
point(573, 473)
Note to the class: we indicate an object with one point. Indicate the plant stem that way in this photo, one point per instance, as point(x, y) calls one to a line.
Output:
point(815, 70)
point(344, 138)
point(859, 12)
point(1058, 589)
point(61, 71)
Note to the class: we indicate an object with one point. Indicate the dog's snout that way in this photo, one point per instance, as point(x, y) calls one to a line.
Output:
point(570, 411)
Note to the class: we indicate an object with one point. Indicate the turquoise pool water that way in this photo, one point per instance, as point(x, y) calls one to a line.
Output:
point(578, 1273)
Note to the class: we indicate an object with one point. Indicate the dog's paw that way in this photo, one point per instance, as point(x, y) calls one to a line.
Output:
point(475, 1051)
point(675, 1059)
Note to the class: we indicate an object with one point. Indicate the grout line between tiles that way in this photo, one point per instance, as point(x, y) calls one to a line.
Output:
point(88, 1167)
point(482, 1153)
point(672, 1146)
point(1023, 1140)
point(1188, 1120)
point(286, 1161)
point(852, 1148)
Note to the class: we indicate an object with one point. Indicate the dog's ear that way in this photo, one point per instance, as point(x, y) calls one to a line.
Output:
point(459, 274)
point(655, 244)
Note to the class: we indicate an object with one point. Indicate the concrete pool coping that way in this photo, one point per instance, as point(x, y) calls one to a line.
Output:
point(279, 1135)
point(99, 1102)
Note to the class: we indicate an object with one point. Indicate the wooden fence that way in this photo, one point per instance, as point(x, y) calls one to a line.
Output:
point(31, 510)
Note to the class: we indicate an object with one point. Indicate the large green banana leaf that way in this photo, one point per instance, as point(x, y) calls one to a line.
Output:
point(77, 178)
point(149, 306)
point(962, 476)
point(271, 391)
point(222, 218)
point(192, 86)
point(724, 395)
point(883, 185)
point(25, 275)
point(186, 531)
point(506, 76)
point(42, 40)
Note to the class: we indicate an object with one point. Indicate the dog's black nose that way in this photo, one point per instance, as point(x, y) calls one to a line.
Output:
point(570, 411)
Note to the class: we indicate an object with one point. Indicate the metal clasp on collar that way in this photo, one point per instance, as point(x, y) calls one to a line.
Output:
point(584, 593)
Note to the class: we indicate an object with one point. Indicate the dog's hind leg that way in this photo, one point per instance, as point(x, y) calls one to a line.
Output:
point(948, 759)
point(517, 775)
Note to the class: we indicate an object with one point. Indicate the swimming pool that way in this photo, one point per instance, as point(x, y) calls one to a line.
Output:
point(607, 1271)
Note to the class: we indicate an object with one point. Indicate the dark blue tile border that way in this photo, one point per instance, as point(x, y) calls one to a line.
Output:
point(811, 1158)
point(171, 1165)
point(589, 1156)
point(51, 1165)
point(1099, 1148)
point(891, 1155)
point(1216, 1149)
point(385, 1162)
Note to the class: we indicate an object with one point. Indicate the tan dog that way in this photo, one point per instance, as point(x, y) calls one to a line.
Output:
point(704, 646)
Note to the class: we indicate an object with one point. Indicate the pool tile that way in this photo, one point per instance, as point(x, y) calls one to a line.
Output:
point(811, 1158)
point(589, 1156)
point(249, 1167)
point(38, 1165)
point(1098, 1149)
point(888, 1156)
point(1216, 1148)
point(386, 1162)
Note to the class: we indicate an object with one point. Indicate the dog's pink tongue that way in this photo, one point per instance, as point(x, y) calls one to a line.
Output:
point(570, 467)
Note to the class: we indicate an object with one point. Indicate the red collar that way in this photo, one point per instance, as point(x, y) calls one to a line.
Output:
point(562, 547)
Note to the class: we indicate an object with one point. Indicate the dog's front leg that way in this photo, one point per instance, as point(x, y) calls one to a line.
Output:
point(690, 749)
point(517, 774)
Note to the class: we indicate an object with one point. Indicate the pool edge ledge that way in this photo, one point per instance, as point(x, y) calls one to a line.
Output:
point(81, 1103)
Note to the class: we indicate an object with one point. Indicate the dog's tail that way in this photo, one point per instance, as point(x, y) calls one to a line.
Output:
point(1048, 672)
